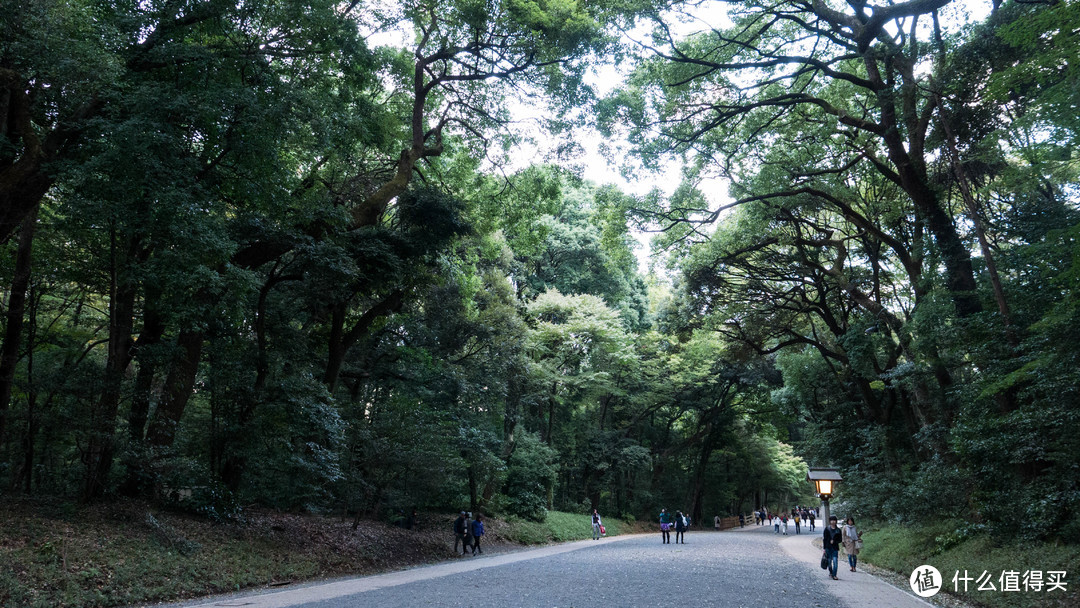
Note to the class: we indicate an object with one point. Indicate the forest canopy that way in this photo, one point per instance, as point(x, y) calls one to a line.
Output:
point(287, 253)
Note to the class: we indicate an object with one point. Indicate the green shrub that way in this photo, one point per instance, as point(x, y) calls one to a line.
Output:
point(530, 471)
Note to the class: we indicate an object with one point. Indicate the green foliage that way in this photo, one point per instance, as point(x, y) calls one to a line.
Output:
point(952, 545)
point(272, 267)
point(559, 526)
point(530, 472)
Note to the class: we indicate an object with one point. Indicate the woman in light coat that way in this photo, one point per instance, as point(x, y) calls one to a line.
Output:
point(851, 542)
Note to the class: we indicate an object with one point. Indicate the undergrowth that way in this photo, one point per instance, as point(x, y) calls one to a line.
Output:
point(951, 547)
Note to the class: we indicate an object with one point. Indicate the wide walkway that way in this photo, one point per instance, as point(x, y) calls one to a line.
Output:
point(751, 567)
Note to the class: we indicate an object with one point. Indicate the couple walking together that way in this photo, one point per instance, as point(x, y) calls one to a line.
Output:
point(833, 537)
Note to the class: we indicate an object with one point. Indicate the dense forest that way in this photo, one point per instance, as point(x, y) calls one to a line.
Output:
point(342, 256)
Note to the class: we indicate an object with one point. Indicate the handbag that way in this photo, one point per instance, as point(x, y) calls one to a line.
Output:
point(858, 545)
point(602, 529)
point(824, 561)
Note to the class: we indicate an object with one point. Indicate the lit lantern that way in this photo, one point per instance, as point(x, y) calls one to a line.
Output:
point(824, 481)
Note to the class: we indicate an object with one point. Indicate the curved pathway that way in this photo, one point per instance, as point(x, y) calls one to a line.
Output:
point(751, 567)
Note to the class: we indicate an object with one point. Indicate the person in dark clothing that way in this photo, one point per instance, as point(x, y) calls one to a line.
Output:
point(459, 532)
point(811, 516)
point(477, 534)
point(680, 528)
point(831, 538)
point(665, 526)
point(468, 532)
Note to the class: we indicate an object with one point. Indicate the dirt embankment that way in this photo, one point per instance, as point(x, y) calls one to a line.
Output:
point(129, 552)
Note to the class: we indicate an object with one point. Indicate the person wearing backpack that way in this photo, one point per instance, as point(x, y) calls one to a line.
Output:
point(680, 527)
point(468, 533)
point(477, 534)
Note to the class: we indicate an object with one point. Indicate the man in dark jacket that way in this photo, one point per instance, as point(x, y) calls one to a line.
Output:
point(459, 532)
point(831, 538)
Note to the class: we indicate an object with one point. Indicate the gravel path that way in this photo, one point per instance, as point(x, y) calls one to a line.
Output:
point(711, 569)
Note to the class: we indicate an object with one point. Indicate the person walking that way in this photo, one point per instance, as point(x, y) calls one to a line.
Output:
point(665, 526)
point(775, 524)
point(477, 534)
point(716, 523)
point(831, 539)
point(811, 516)
point(784, 520)
point(596, 525)
point(796, 518)
point(468, 532)
point(680, 528)
point(852, 542)
point(459, 532)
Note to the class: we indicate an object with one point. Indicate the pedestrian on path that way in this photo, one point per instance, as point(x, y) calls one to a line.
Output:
point(852, 542)
point(831, 538)
point(716, 523)
point(459, 532)
point(477, 534)
point(596, 525)
point(775, 524)
point(796, 518)
point(665, 526)
point(468, 533)
point(680, 528)
point(811, 515)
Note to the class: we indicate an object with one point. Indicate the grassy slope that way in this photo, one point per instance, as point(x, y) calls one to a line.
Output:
point(127, 553)
point(902, 549)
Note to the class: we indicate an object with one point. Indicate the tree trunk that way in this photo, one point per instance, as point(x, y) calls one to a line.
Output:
point(179, 385)
point(972, 206)
point(697, 488)
point(152, 332)
point(959, 273)
point(9, 352)
point(29, 440)
point(341, 341)
point(100, 446)
point(336, 347)
point(474, 493)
